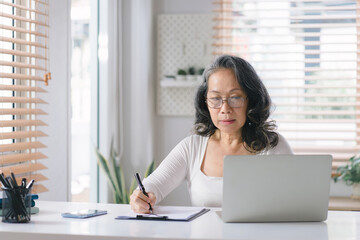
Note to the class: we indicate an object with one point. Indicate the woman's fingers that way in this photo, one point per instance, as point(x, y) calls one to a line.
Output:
point(139, 202)
point(152, 199)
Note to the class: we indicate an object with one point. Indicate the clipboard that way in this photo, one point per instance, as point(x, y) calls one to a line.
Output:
point(165, 213)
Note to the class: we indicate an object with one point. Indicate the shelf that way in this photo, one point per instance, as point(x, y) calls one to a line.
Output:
point(179, 84)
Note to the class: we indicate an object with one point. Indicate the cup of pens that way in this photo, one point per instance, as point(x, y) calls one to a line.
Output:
point(16, 203)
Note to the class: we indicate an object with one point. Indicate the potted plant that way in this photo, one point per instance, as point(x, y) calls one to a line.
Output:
point(181, 75)
point(115, 175)
point(191, 74)
point(350, 174)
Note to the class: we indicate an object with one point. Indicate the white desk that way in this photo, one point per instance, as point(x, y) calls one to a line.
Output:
point(49, 225)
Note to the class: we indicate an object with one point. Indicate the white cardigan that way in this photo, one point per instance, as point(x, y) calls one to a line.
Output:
point(184, 163)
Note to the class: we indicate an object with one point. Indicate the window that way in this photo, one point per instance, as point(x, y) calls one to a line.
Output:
point(23, 75)
point(306, 54)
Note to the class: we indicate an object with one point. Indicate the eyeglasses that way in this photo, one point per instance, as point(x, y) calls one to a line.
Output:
point(234, 102)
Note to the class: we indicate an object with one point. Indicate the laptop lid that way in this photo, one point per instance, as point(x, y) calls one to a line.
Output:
point(276, 188)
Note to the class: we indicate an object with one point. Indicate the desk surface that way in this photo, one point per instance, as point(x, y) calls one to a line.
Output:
point(49, 224)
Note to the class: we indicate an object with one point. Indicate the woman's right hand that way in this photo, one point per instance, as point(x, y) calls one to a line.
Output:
point(139, 202)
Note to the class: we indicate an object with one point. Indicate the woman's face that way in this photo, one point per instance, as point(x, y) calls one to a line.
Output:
point(223, 89)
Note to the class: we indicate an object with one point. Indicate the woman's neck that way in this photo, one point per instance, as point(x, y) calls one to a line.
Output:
point(228, 140)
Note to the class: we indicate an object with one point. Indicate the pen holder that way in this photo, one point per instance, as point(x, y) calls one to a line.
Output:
point(16, 205)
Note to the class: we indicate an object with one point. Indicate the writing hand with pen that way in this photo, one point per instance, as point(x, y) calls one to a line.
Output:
point(140, 200)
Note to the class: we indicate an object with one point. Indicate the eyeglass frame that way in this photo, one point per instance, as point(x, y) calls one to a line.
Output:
point(225, 100)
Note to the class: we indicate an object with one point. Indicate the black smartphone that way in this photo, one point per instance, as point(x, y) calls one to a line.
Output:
point(84, 213)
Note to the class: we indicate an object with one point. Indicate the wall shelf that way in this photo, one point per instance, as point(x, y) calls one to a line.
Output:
point(179, 84)
point(183, 41)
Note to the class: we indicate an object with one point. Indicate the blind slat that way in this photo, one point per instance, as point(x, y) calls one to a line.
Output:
point(22, 54)
point(225, 18)
point(21, 65)
point(298, 8)
point(334, 149)
point(19, 158)
point(23, 19)
point(21, 146)
point(22, 30)
point(38, 188)
point(281, 42)
point(317, 130)
point(22, 7)
point(228, 36)
point(21, 111)
point(314, 86)
point(296, 61)
point(23, 168)
point(21, 88)
point(21, 123)
point(318, 138)
point(314, 95)
point(284, 52)
point(289, 26)
point(37, 177)
point(318, 121)
point(22, 100)
point(20, 76)
point(318, 104)
point(318, 113)
point(22, 42)
point(21, 134)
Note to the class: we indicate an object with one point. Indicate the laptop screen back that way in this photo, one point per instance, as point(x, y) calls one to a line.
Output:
point(276, 188)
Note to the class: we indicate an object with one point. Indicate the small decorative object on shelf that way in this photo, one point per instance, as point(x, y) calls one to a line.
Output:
point(169, 78)
point(181, 75)
point(350, 174)
point(191, 76)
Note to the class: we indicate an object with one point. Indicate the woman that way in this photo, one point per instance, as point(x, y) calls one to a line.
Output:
point(232, 109)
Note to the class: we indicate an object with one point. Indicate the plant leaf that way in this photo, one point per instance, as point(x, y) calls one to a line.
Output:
point(121, 180)
point(104, 165)
point(149, 169)
point(117, 171)
point(132, 187)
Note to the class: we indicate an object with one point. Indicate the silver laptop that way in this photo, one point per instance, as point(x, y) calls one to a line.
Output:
point(276, 188)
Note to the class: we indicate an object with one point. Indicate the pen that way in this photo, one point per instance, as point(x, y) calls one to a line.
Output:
point(142, 188)
point(30, 184)
point(14, 179)
point(23, 182)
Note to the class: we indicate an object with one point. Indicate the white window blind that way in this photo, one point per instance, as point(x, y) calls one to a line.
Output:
point(306, 52)
point(23, 75)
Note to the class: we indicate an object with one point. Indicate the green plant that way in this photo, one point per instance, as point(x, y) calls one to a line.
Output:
point(115, 175)
point(181, 72)
point(350, 173)
point(200, 71)
point(191, 71)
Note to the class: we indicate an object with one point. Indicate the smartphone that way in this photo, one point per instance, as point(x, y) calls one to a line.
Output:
point(84, 213)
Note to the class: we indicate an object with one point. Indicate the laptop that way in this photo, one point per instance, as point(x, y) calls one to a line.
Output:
point(276, 188)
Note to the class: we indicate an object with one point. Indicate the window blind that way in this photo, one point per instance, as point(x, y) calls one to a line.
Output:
point(24, 64)
point(307, 54)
